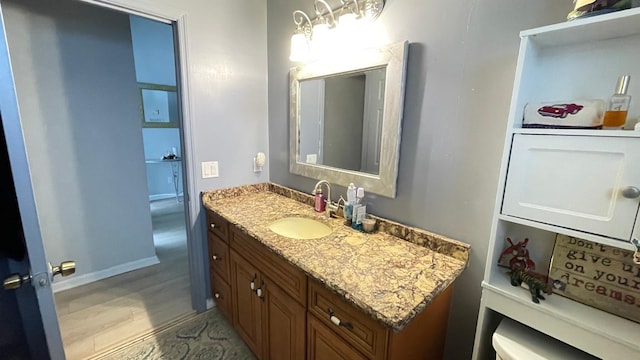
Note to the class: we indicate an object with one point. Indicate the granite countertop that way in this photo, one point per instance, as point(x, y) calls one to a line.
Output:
point(392, 278)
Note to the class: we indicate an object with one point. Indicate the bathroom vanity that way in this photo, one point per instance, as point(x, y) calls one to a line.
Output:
point(346, 295)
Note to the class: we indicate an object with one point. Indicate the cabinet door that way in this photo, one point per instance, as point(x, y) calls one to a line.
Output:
point(247, 317)
point(574, 182)
point(324, 344)
point(284, 322)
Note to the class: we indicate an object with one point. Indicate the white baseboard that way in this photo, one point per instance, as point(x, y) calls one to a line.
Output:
point(163, 196)
point(74, 281)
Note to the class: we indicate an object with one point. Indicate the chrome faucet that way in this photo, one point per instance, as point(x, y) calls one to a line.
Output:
point(330, 208)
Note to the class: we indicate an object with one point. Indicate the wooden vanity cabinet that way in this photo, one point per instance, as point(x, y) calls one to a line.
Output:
point(283, 315)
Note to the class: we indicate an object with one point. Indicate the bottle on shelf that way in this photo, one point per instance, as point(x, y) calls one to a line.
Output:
point(616, 115)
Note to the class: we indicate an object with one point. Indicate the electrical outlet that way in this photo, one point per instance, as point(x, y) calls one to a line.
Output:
point(210, 169)
point(312, 158)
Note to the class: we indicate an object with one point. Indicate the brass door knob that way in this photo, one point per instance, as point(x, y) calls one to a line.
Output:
point(15, 281)
point(66, 268)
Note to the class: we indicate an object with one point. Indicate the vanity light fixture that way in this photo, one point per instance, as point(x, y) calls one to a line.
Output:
point(349, 15)
point(314, 37)
point(321, 16)
point(373, 8)
point(301, 39)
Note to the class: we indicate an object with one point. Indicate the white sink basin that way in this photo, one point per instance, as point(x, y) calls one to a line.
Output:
point(300, 228)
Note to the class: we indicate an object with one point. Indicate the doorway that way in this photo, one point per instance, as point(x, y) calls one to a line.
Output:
point(82, 129)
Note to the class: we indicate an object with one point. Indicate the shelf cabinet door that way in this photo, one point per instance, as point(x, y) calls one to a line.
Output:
point(574, 182)
point(247, 315)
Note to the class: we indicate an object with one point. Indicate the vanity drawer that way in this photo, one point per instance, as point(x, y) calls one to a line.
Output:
point(323, 344)
point(221, 294)
point(288, 277)
point(218, 225)
point(219, 256)
point(357, 328)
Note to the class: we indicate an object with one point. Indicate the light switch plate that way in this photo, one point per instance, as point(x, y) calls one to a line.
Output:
point(210, 169)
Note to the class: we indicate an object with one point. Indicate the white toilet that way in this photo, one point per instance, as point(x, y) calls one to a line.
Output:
point(514, 341)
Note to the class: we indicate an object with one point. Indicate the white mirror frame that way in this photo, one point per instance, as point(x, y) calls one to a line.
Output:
point(394, 57)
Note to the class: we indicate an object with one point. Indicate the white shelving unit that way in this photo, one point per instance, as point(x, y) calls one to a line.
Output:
point(567, 181)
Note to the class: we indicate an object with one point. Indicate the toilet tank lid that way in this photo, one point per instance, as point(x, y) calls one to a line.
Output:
point(514, 341)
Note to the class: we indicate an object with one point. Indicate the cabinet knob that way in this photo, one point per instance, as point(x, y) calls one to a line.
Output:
point(216, 295)
point(215, 257)
point(213, 225)
point(336, 320)
point(252, 284)
point(631, 192)
point(259, 292)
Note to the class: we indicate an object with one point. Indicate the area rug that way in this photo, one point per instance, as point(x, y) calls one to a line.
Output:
point(205, 336)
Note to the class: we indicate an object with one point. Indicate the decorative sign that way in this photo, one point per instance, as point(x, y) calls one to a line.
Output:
point(597, 275)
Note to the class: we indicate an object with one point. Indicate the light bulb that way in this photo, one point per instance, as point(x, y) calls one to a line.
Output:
point(347, 21)
point(347, 30)
point(299, 48)
point(320, 41)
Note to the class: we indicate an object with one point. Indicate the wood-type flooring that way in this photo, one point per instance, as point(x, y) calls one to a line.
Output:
point(108, 313)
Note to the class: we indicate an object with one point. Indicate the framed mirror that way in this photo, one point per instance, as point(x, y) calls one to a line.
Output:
point(159, 105)
point(345, 118)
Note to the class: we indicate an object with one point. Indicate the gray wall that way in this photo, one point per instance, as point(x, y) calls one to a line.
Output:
point(75, 82)
point(344, 101)
point(460, 75)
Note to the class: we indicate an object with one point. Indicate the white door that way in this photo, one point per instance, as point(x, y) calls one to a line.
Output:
point(576, 182)
point(37, 308)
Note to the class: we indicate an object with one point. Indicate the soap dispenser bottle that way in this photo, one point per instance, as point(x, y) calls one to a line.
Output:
point(320, 202)
point(616, 115)
point(351, 200)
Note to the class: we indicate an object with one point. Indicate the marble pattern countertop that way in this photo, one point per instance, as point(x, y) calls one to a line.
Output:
point(389, 277)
